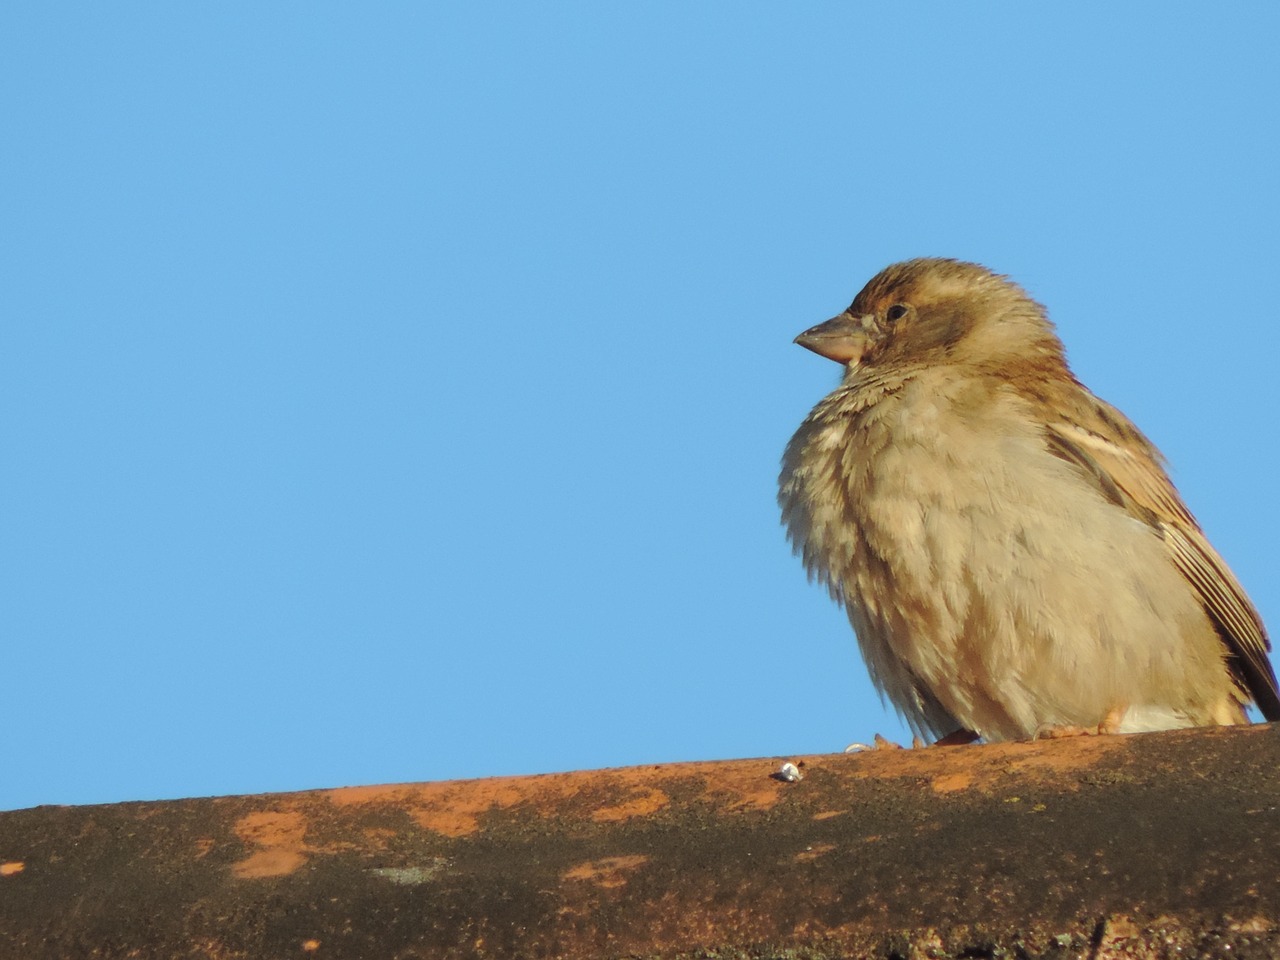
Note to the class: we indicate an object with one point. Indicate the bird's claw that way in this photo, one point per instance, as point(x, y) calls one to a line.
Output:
point(879, 743)
point(1111, 723)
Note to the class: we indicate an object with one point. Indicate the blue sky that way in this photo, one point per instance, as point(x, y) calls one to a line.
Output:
point(395, 391)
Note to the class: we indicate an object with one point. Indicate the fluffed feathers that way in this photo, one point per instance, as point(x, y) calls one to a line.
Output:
point(1008, 547)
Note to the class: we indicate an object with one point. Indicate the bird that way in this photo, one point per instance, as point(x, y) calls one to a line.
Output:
point(1009, 548)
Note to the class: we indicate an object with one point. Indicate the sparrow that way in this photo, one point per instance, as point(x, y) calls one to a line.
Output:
point(1008, 547)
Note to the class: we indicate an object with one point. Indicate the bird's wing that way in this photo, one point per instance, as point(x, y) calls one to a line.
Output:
point(1128, 470)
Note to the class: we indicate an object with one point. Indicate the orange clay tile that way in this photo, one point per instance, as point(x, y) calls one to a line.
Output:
point(1088, 847)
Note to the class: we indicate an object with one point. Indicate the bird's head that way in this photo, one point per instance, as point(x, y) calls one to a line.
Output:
point(931, 311)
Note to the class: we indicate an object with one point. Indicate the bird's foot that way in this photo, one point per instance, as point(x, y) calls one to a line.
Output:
point(1049, 731)
point(1111, 723)
point(954, 739)
point(879, 743)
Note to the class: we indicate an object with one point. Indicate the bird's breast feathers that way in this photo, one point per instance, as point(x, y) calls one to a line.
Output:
point(971, 557)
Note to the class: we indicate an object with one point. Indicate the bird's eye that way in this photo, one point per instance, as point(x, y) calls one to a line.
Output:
point(896, 312)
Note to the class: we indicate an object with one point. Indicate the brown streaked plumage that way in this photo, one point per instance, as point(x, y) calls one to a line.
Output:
point(1008, 547)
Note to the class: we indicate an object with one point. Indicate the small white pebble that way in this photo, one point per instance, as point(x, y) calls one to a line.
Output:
point(790, 773)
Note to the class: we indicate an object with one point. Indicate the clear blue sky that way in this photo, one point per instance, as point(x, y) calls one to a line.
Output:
point(395, 391)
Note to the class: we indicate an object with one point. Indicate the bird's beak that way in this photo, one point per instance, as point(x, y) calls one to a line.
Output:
point(843, 339)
